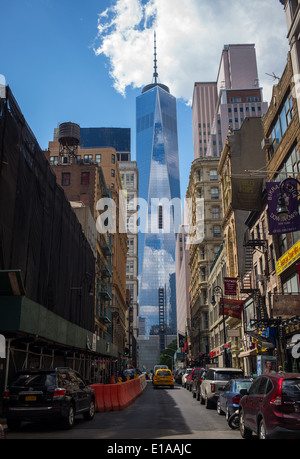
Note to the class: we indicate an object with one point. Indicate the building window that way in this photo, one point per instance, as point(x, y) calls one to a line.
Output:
point(160, 217)
point(98, 159)
point(283, 120)
point(113, 173)
point(65, 160)
point(214, 193)
point(217, 231)
point(85, 178)
point(53, 160)
point(215, 213)
point(213, 175)
point(65, 178)
point(113, 159)
point(88, 159)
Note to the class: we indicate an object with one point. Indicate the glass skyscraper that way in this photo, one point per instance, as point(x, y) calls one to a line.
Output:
point(159, 187)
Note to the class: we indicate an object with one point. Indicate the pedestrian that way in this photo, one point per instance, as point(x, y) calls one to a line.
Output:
point(2, 433)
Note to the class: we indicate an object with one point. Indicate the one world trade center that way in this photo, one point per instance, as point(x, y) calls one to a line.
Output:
point(159, 189)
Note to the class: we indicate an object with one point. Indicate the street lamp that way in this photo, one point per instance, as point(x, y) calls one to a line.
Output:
point(287, 187)
point(217, 290)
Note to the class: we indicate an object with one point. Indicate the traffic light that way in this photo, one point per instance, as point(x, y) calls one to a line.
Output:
point(126, 351)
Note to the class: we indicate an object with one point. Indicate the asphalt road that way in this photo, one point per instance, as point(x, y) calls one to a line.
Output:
point(158, 414)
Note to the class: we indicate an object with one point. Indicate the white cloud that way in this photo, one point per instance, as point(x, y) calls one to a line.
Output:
point(190, 38)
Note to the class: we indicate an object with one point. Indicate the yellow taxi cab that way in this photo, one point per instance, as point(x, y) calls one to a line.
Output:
point(163, 377)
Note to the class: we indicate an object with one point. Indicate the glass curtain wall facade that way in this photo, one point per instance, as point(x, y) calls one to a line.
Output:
point(159, 188)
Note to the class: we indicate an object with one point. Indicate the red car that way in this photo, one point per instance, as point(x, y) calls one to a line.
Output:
point(271, 408)
point(193, 375)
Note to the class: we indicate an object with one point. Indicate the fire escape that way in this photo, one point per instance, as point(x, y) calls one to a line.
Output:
point(250, 281)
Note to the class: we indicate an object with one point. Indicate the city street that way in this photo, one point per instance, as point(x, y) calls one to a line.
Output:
point(162, 414)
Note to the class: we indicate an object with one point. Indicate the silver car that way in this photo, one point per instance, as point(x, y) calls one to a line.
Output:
point(215, 380)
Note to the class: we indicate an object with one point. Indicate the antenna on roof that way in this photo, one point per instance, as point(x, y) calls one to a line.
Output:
point(155, 74)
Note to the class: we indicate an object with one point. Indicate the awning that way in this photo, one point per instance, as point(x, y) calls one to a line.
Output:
point(247, 353)
point(11, 283)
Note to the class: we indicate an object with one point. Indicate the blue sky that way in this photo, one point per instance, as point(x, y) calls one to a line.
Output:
point(86, 61)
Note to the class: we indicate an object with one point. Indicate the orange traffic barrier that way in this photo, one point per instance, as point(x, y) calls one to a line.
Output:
point(99, 401)
point(114, 396)
point(107, 397)
point(118, 396)
point(123, 396)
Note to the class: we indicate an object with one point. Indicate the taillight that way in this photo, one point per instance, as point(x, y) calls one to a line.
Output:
point(277, 398)
point(236, 400)
point(6, 395)
point(58, 393)
point(213, 387)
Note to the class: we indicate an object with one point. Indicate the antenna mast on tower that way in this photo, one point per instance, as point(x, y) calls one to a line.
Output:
point(155, 74)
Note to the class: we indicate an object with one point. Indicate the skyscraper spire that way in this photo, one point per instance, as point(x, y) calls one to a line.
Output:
point(155, 74)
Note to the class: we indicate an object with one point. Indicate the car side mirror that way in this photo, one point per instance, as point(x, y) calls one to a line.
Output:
point(244, 392)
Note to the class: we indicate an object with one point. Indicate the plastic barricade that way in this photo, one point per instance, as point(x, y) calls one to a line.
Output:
point(114, 397)
point(99, 401)
point(107, 397)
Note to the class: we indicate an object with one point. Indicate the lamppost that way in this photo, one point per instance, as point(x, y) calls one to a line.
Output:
point(286, 187)
point(217, 290)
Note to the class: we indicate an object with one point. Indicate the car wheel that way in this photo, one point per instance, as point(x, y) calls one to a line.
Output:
point(198, 396)
point(219, 411)
point(89, 415)
point(207, 403)
point(202, 401)
point(227, 414)
point(245, 433)
point(262, 432)
point(68, 421)
point(13, 424)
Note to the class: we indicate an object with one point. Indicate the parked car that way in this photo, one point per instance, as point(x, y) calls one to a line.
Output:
point(216, 379)
point(38, 395)
point(228, 401)
point(184, 376)
point(271, 407)
point(197, 383)
point(190, 378)
point(163, 377)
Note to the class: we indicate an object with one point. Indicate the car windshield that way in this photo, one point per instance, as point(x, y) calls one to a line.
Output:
point(226, 375)
point(164, 373)
point(243, 385)
point(36, 381)
point(291, 390)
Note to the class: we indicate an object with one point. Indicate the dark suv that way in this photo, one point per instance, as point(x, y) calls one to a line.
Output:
point(48, 394)
point(271, 407)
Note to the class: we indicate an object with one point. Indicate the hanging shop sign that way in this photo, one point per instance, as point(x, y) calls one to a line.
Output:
point(288, 258)
point(246, 193)
point(232, 308)
point(286, 305)
point(230, 286)
point(277, 226)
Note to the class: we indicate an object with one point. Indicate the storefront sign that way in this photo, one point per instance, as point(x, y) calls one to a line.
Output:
point(277, 226)
point(286, 305)
point(232, 308)
point(288, 258)
point(296, 346)
point(246, 193)
point(230, 285)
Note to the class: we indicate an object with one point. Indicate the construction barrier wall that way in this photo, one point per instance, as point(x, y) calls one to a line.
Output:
point(117, 397)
